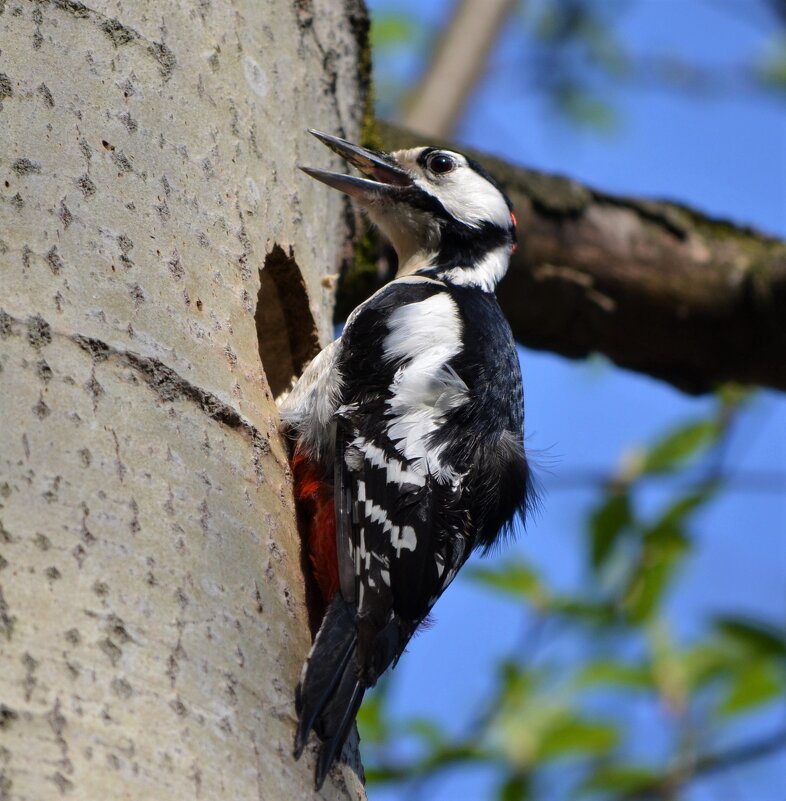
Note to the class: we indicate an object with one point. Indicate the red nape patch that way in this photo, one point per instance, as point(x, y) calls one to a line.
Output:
point(515, 224)
point(314, 495)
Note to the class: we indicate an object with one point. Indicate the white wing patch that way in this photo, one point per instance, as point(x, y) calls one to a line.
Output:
point(404, 537)
point(396, 472)
point(424, 336)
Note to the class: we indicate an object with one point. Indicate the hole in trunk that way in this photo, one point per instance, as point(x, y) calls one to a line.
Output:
point(286, 331)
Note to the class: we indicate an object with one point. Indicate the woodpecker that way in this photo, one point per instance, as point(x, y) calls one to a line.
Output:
point(408, 429)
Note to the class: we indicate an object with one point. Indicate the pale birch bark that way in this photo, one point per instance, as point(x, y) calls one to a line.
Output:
point(152, 618)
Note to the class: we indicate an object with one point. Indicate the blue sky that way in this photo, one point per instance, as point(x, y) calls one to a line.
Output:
point(726, 155)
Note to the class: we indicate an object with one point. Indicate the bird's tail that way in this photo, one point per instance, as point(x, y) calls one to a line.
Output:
point(329, 694)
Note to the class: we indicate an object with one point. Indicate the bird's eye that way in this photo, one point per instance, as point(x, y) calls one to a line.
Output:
point(441, 163)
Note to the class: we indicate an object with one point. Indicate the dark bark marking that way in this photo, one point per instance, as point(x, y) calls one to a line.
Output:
point(24, 166)
point(165, 58)
point(7, 716)
point(43, 371)
point(42, 542)
point(112, 651)
point(79, 10)
point(46, 95)
point(128, 121)
point(73, 637)
point(6, 322)
point(39, 332)
point(174, 264)
point(30, 665)
point(41, 410)
point(122, 162)
point(118, 33)
point(62, 783)
point(7, 620)
point(54, 260)
point(85, 185)
point(65, 214)
point(137, 295)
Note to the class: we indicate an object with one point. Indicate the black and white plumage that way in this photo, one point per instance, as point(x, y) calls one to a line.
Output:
point(414, 416)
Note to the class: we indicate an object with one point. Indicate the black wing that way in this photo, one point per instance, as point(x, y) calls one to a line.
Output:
point(403, 530)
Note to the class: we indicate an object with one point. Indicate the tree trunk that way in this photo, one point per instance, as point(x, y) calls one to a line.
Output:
point(160, 255)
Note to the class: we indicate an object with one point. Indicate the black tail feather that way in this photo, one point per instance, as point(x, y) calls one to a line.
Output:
point(317, 690)
point(332, 748)
point(329, 694)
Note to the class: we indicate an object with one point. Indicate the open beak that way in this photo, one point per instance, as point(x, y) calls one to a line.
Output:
point(384, 176)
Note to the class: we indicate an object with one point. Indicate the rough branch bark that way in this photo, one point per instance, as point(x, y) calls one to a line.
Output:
point(657, 287)
point(163, 276)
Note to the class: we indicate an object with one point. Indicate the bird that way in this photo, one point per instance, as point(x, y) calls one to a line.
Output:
point(408, 430)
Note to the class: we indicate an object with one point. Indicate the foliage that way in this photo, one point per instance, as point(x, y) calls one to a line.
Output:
point(573, 54)
point(562, 716)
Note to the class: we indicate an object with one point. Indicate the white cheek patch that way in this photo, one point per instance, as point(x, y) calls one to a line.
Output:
point(469, 197)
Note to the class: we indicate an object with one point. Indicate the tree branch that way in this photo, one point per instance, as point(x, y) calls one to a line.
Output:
point(710, 764)
point(456, 67)
point(657, 287)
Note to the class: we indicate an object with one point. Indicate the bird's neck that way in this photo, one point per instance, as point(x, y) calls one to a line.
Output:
point(460, 254)
point(482, 270)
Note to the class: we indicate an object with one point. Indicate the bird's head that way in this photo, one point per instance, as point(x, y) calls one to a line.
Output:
point(442, 212)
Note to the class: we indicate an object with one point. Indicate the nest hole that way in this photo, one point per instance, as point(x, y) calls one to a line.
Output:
point(286, 330)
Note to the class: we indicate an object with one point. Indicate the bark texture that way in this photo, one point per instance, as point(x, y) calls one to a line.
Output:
point(157, 246)
point(657, 287)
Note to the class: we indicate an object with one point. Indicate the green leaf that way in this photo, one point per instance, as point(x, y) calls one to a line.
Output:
point(372, 718)
point(680, 446)
point(662, 550)
point(772, 70)
point(706, 663)
point(755, 635)
point(391, 29)
point(512, 578)
point(516, 683)
point(607, 523)
point(622, 778)
point(684, 507)
point(580, 106)
point(668, 667)
point(614, 674)
point(753, 685)
point(515, 788)
point(426, 730)
point(577, 737)
point(583, 612)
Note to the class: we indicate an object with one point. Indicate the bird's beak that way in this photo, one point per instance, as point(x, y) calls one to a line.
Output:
point(384, 177)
